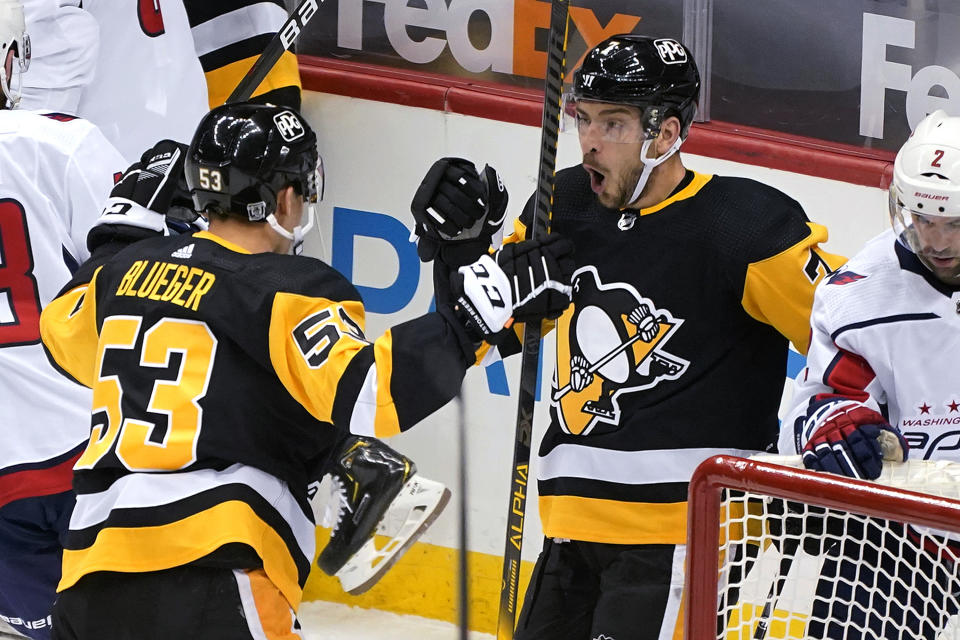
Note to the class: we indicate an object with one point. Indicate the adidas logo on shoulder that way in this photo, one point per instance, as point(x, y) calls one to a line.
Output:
point(183, 252)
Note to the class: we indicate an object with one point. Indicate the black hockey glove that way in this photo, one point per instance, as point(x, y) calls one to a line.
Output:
point(457, 211)
point(540, 272)
point(482, 300)
point(146, 188)
point(138, 203)
point(182, 214)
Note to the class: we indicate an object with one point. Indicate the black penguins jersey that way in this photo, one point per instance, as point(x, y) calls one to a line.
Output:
point(217, 375)
point(673, 350)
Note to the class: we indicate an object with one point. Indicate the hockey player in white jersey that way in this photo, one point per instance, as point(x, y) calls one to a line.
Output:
point(881, 374)
point(56, 173)
point(886, 327)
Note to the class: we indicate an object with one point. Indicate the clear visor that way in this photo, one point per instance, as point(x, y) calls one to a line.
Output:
point(316, 189)
point(929, 235)
point(610, 122)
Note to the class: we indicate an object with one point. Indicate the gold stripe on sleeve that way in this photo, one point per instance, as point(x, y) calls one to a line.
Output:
point(779, 290)
point(311, 370)
point(68, 328)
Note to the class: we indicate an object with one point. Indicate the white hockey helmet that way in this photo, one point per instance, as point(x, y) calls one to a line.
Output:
point(13, 36)
point(924, 197)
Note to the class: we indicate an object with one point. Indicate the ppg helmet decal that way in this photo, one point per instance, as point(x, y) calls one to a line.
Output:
point(242, 154)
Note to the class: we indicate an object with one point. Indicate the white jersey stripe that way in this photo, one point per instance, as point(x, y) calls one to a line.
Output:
point(240, 24)
point(363, 419)
point(626, 467)
point(150, 490)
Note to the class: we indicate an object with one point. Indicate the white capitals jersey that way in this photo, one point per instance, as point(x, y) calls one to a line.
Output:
point(148, 83)
point(128, 66)
point(55, 175)
point(885, 334)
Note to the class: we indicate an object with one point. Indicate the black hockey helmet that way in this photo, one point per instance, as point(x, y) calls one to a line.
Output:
point(242, 154)
point(658, 75)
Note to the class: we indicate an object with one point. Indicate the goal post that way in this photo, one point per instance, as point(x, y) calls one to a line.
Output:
point(776, 551)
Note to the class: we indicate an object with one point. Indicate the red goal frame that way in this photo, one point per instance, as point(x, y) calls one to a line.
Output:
point(821, 489)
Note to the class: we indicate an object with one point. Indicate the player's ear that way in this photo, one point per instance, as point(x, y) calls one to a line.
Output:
point(669, 132)
point(287, 209)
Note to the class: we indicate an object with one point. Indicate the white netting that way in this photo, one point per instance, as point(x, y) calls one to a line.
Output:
point(789, 569)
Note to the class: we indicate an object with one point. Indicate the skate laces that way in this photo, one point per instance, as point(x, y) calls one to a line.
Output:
point(336, 505)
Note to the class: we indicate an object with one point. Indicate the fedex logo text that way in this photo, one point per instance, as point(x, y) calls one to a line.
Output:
point(513, 31)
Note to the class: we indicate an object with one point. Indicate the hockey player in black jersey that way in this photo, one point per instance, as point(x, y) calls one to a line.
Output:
point(222, 369)
point(690, 287)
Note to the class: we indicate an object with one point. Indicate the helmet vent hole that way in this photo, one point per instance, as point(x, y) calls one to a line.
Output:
point(942, 209)
point(932, 174)
point(919, 205)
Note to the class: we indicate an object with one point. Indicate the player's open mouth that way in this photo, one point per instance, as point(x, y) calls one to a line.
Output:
point(596, 179)
point(942, 263)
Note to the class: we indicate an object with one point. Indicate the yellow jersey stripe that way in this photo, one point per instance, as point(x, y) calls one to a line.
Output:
point(771, 293)
point(697, 183)
point(612, 521)
point(222, 81)
point(183, 542)
point(68, 328)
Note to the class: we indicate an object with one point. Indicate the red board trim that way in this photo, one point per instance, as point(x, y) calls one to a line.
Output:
point(725, 141)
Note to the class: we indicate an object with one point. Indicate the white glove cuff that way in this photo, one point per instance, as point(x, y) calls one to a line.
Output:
point(487, 288)
point(128, 212)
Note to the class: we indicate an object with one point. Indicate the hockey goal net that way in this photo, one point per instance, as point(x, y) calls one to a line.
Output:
point(775, 551)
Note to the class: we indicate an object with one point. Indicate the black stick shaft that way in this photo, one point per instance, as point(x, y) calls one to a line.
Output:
point(280, 43)
point(540, 225)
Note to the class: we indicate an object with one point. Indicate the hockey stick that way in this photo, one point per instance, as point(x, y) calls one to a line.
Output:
point(549, 134)
point(278, 45)
point(463, 582)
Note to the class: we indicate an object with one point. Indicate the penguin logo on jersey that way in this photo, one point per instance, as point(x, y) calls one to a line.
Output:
point(610, 342)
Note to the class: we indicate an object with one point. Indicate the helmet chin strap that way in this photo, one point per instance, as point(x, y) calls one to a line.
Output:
point(296, 238)
point(650, 163)
point(6, 84)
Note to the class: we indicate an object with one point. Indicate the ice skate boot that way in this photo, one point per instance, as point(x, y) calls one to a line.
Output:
point(376, 490)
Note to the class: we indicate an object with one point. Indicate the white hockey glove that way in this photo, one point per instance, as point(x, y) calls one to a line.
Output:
point(457, 211)
point(483, 299)
point(540, 272)
point(144, 193)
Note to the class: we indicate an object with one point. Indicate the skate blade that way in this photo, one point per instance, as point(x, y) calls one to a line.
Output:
point(351, 579)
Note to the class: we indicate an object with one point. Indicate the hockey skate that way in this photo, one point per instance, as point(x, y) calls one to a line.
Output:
point(375, 490)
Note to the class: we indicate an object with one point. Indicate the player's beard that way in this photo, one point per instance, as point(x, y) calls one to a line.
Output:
point(618, 195)
point(948, 274)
